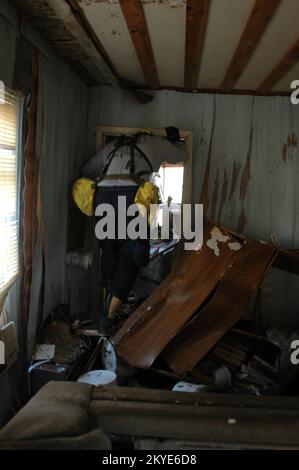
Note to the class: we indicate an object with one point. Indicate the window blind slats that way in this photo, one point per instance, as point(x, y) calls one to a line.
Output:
point(8, 123)
point(9, 223)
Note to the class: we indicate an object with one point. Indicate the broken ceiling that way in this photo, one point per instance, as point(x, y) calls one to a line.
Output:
point(206, 45)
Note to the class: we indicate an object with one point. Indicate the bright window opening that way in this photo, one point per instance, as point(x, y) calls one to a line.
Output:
point(170, 181)
point(9, 216)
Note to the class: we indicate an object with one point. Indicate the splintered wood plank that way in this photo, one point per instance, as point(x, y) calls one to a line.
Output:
point(229, 303)
point(135, 19)
point(257, 23)
point(196, 25)
point(148, 331)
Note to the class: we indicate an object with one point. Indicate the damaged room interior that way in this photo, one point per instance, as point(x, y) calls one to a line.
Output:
point(149, 241)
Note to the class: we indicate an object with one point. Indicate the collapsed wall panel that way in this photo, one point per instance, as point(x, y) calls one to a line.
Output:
point(229, 303)
point(149, 330)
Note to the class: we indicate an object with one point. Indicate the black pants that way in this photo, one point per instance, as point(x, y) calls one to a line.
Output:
point(120, 258)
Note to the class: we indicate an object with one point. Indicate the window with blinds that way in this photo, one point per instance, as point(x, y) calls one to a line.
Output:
point(9, 217)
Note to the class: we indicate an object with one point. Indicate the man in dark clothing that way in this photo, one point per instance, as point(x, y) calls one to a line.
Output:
point(120, 165)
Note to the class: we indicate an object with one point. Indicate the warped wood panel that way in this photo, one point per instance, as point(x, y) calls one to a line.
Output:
point(226, 307)
point(260, 16)
point(147, 332)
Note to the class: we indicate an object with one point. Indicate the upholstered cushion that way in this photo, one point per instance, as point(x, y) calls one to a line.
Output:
point(58, 415)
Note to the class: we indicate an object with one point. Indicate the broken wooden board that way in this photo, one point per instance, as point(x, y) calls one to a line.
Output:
point(226, 307)
point(148, 331)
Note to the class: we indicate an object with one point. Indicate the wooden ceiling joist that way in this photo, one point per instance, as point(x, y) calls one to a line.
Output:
point(287, 62)
point(91, 35)
point(257, 23)
point(196, 24)
point(83, 22)
point(135, 19)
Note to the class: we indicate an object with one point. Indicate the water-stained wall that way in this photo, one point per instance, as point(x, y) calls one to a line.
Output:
point(253, 184)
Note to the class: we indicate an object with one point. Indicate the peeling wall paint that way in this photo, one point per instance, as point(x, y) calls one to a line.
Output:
point(289, 148)
point(242, 221)
point(216, 238)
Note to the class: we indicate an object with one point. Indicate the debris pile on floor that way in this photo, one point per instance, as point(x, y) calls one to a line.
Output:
point(183, 329)
point(189, 334)
point(60, 353)
point(250, 363)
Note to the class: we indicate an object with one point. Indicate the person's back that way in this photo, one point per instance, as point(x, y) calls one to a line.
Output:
point(157, 150)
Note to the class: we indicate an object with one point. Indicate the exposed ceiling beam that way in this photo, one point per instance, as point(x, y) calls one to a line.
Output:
point(286, 63)
point(65, 13)
point(257, 23)
point(196, 25)
point(82, 20)
point(135, 19)
point(83, 23)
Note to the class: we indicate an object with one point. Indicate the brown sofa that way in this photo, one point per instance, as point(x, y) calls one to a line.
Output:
point(55, 418)
point(70, 415)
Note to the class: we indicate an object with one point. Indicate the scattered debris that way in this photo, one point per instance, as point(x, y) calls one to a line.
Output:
point(109, 359)
point(98, 377)
point(44, 352)
point(67, 346)
point(10, 346)
point(188, 387)
point(222, 377)
point(243, 363)
point(183, 337)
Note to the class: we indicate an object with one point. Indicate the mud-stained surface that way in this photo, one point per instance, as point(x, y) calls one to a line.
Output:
point(246, 175)
point(242, 221)
point(215, 197)
point(224, 193)
point(289, 147)
point(235, 178)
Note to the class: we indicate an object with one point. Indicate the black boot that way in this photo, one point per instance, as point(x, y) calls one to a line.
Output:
point(108, 326)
